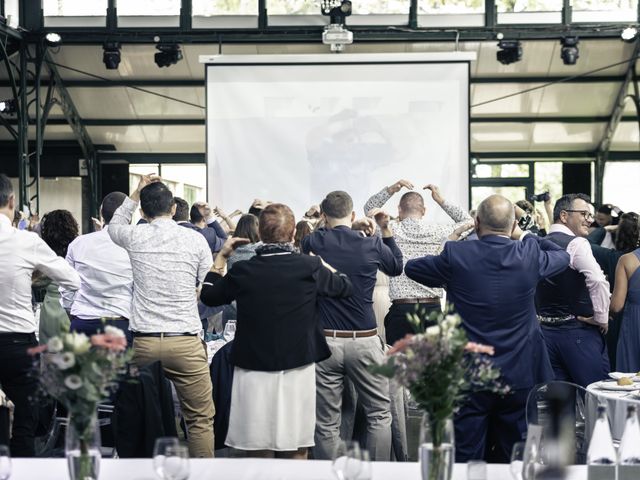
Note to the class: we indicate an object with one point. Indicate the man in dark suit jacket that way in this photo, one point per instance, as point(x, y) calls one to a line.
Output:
point(350, 326)
point(492, 283)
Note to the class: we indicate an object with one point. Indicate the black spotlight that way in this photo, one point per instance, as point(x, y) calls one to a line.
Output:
point(8, 106)
point(336, 10)
point(510, 51)
point(569, 52)
point(169, 54)
point(111, 55)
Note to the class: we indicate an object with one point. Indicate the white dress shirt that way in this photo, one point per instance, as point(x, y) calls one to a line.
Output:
point(21, 253)
point(582, 260)
point(106, 278)
point(168, 262)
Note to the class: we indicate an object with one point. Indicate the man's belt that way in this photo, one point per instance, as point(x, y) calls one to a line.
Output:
point(163, 334)
point(408, 301)
point(350, 333)
point(555, 320)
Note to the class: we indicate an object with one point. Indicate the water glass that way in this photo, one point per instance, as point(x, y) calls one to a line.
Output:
point(519, 453)
point(229, 331)
point(5, 462)
point(347, 461)
point(170, 459)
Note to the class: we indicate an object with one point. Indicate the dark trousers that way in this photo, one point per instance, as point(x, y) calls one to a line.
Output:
point(487, 426)
point(94, 326)
point(20, 385)
point(577, 351)
point(396, 325)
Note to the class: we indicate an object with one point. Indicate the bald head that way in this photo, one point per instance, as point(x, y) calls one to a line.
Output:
point(411, 205)
point(495, 216)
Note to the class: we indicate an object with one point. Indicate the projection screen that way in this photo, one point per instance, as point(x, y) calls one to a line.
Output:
point(291, 128)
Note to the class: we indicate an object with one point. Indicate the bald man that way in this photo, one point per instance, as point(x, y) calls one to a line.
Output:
point(415, 238)
point(492, 283)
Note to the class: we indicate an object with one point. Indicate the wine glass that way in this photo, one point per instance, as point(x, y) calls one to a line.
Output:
point(5, 462)
point(347, 460)
point(170, 459)
point(516, 466)
point(229, 331)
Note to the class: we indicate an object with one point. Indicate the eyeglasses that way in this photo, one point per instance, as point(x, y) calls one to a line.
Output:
point(586, 214)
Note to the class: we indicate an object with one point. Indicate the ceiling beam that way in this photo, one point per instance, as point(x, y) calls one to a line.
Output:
point(618, 156)
point(144, 157)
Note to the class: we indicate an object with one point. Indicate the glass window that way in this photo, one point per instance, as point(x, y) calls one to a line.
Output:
point(450, 6)
point(529, 5)
point(207, 8)
point(480, 193)
point(74, 8)
point(292, 7)
point(604, 5)
point(548, 178)
point(149, 8)
point(605, 11)
point(620, 185)
point(501, 170)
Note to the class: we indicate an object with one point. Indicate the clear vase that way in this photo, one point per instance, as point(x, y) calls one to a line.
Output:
point(437, 448)
point(82, 447)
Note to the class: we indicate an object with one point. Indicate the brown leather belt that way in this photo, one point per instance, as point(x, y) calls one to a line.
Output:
point(406, 301)
point(350, 333)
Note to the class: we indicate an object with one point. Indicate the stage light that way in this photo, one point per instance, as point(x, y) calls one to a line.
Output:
point(569, 52)
point(629, 34)
point(510, 51)
point(52, 39)
point(169, 54)
point(337, 10)
point(111, 55)
point(8, 106)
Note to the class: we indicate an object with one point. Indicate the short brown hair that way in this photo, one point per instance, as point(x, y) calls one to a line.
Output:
point(337, 204)
point(276, 224)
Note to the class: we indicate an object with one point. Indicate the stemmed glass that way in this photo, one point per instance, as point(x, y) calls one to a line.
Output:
point(348, 461)
point(170, 459)
point(5, 462)
point(517, 460)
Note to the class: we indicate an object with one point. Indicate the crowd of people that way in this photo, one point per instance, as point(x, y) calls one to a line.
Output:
point(558, 301)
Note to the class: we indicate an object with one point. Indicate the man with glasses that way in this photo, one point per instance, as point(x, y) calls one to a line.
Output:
point(573, 306)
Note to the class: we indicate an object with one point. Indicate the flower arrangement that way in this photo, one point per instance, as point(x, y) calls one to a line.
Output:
point(440, 367)
point(80, 372)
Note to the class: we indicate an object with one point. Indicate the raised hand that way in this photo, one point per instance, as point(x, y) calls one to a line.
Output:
point(366, 225)
point(381, 217)
point(144, 181)
point(231, 244)
point(396, 187)
point(204, 209)
point(435, 193)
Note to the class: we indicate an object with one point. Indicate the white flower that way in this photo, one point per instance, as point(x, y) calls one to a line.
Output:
point(432, 332)
point(78, 342)
point(64, 360)
point(73, 382)
point(54, 345)
point(451, 321)
point(115, 331)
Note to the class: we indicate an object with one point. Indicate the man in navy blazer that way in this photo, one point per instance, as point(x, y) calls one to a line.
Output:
point(492, 284)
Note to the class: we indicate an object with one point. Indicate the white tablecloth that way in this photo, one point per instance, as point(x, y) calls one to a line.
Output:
point(616, 402)
point(247, 469)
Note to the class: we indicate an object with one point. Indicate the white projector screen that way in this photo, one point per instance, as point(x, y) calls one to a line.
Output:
point(292, 128)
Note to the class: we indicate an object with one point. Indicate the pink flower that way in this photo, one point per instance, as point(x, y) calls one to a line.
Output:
point(115, 343)
point(401, 344)
point(479, 348)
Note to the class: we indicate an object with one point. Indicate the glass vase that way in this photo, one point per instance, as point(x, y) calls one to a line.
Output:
point(82, 447)
point(437, 448)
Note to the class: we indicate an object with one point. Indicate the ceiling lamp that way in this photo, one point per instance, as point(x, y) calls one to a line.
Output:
point(8, 106)
point(111, 55)
point(510, 51)
point(52, 39)
point(169, 54)
point(569, 52)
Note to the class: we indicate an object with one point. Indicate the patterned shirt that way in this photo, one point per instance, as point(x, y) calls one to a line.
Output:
point(416, 238)
point(168, 262)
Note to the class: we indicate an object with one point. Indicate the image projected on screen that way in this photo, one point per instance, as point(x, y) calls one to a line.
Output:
point(293, 133)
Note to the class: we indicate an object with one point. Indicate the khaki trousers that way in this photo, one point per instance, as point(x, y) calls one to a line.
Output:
point(184, 361)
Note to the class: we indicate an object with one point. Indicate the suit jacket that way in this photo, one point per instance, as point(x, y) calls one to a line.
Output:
point(360, 258)
point(276, 295)
point(492, 284)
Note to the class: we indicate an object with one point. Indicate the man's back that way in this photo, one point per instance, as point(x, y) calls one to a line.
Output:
point(22, 252)
point(359, 258)
point(492, 283)
point(106, 277)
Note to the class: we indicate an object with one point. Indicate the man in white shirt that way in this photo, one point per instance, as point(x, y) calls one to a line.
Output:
point(573, 306)
point(21, 253)
point(106, 278)
point(168, 262)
